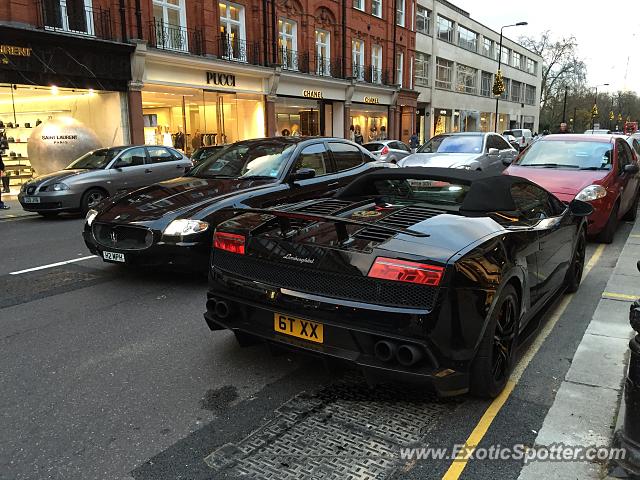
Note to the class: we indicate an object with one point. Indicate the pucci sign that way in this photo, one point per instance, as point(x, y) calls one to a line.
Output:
point(221, 79)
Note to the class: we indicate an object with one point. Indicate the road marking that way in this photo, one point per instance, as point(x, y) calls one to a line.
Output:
point(635, 235)
point(619, 296)
point(51, 265)
point(461, 460)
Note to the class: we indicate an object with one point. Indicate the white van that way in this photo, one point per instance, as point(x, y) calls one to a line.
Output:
point(523, 136)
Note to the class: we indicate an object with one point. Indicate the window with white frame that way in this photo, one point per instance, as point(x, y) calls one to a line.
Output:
point(400, 13)
point(530, 95)
point(376, 64)
point(467, 39)
point(359, 4)
point(516, 91)
point(323, 52)
point(445, 29)
point(486, 85)
point(444, 73)
point(467, 79)
point(422, 67)
point(169, 25)
point(376, 8)
point(504, 58)
point(531, 66)
point(487, 47)
point(516, 60)
point(232, 31)
point(399, 68)
point(74, 16)
point(357, 58)
point(287, 43)
point(423, 20)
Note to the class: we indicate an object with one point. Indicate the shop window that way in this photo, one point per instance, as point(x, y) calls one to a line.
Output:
point(357, 58)
point(467, 39)
point(467, 79)
point(169, 25)
point(422, 69)
point(443, 73)
point(399, 68)
point(376, 64)
point(160, 155)
point(445, 29)
point(487, 84)
point(74, 16)
point(423, 20)
point(323, 52)
point(132, 158)
point(346, 156)
point(287, 43)
point(314, 156)
point(400, 13)
point(232, 31)
point(376, 8)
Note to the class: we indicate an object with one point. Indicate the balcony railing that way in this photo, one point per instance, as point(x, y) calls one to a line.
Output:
point(175, 37)
point(238, 50)
point(69, 17)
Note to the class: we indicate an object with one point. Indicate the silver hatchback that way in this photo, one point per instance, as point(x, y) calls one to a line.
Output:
point(388, 150)
point(100, 174)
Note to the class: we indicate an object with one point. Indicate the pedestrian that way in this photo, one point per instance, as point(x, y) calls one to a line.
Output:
point(563, 128)
point(357, 135)
point(2, 174)
point(413, 142)
point(4, 145)
point(285, 132)
point(383, 133)
point(352, 133)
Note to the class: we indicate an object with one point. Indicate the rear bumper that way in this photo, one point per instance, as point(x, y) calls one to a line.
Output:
point(344, 340)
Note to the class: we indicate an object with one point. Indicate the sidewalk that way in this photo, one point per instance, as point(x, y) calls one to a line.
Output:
point(16, 209)
point(587, 403)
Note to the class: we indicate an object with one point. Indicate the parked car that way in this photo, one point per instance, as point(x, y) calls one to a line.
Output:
point(634, 143)
point(512, 141)
point(411, 274)
point(598, 131)
point(523, 136)
point(471, 151)
point(99, 174)
point(599, 169)
point(388, 150)
point(171, 223)
point(203, 152)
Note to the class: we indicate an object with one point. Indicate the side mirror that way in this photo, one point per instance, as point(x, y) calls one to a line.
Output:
point(302, 174)
point(578, 208)
point(631, 169)
point(493, 152)
point(118, 165)
point(507, 161)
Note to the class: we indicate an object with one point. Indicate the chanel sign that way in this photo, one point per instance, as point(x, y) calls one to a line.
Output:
point(221, 79)
point(312, 93)
point(374, 100)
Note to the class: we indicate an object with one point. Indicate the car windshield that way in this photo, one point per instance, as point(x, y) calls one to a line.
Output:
point(408, 191)
point(373, 147)
point(453, 144)
point(95, 160)
point(265, 159)
point(568, 154)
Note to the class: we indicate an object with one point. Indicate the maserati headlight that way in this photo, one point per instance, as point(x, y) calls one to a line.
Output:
point(462, 166)
point(185, 227)
point(91, 216)
point(591, 193)
point(58, 187)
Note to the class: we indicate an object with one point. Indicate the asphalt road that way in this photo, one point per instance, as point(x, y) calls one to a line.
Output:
point(108, 373)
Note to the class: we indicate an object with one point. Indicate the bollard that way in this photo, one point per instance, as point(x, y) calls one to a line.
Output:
point(629, 437)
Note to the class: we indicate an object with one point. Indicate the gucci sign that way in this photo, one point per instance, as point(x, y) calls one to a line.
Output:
point(221, 79)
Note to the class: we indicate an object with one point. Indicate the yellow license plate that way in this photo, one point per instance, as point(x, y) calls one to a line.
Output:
point(297, 327)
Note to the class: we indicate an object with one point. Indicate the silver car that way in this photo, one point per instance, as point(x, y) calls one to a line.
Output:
point(468, 150)
point(100, 174)
point(388, 150)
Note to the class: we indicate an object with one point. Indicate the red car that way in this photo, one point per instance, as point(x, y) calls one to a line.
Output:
point(599, 169)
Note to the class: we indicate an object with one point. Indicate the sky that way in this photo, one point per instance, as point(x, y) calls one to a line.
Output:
point(607, 33)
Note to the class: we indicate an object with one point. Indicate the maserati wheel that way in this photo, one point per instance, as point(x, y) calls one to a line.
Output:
point(574, 274)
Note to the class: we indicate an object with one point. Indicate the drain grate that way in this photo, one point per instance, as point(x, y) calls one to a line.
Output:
point(346, 431)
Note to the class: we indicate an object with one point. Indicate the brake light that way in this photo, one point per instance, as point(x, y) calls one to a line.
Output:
point(384, 150)
point(403, 271)
point(229, 242)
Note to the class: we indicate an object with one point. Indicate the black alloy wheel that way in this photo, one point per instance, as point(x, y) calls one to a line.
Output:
point(574, 273)
point(503, 341)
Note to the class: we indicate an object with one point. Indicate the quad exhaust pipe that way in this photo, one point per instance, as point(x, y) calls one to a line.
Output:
point(407, 355)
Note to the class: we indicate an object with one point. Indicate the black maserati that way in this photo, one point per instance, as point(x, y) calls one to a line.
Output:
point(171, 223)
point(423, 274)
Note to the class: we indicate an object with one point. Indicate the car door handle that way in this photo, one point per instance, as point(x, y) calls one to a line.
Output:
point(333, 184)
point(147, 171)
point(181, 166)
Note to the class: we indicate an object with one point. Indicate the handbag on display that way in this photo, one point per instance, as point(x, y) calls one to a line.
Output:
point(38, 122)
point(9, 125)
point(27, 125)
point(10, 140)
point(1, 124)
point(12, 154)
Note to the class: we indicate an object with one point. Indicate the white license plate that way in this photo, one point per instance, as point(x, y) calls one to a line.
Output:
point(31, 199)
point(113, 256)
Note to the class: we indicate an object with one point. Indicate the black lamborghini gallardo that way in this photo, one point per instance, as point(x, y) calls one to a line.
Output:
point(419, 274)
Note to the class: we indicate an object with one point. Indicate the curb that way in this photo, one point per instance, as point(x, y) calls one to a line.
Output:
point(586, 405)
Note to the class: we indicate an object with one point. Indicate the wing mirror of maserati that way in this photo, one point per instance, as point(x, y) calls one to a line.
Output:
point(493, 152)
point(632, 169)
point(507, 161)
point(578, 208)
point(303, 174)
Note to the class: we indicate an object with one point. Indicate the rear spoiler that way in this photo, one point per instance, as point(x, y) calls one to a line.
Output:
point(341, 223)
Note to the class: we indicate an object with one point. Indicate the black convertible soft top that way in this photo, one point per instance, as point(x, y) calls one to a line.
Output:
point(487, 192)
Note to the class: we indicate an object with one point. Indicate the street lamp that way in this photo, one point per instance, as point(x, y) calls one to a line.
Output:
point(595, 104)
point(519, 24)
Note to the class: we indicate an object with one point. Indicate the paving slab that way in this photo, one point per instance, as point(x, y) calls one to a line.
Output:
point(599, 361)
point(611, 319)
point(623, 285)
point(560, 471)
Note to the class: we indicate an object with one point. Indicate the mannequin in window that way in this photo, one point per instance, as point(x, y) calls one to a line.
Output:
point(352, 133)
point(383, 133)
point(357, 136)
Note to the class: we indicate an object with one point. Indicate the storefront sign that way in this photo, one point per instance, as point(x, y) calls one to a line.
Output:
point(375, 100)
point(15, 51)
point(312, 93)
point(221, 79)
point(59, 138)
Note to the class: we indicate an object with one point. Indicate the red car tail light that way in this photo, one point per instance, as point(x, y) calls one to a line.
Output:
point(403, 271)
point(384, 150)
point(229, 242)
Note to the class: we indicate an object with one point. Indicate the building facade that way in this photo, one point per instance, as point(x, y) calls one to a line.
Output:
point(455, 66)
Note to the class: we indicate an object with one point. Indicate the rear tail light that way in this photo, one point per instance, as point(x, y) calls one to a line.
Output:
point(403, 271)
point(229, 242)
point(384, 150)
